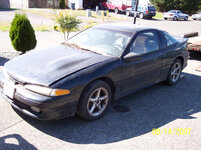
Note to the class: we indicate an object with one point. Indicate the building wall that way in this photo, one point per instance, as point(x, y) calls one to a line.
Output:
point(4, 4)
point(14, 4)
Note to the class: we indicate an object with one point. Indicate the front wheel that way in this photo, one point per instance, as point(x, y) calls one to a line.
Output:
point(165, 18)
point(94, 100)
point(186, 18)
point(174, 72)
point(127, 13)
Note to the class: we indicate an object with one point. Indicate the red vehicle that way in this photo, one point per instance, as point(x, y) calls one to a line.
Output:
point(117, 5)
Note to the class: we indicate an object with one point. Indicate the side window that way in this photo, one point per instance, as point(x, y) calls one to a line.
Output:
point(169, 39)
point(145, 42)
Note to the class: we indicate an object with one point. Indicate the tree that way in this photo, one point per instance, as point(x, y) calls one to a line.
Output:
point(188, 6)
point(22, 34)
point(68, 23)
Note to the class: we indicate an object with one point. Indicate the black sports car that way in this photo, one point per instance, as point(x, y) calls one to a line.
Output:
point(98, 65)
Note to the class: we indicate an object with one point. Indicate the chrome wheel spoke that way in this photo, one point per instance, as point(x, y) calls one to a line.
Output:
point(92, 108)
point(103, 97)
point(93, 100)
point(99, 107)
point(98, 93)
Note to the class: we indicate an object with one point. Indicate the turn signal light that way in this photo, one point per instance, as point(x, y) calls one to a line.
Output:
point(61, 92)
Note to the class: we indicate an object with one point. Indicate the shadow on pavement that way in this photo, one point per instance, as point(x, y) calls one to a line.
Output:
point(150, 108)
point(20, 143)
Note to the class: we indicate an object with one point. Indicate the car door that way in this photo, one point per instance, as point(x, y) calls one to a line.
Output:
point(180, 15)
point(146, 64)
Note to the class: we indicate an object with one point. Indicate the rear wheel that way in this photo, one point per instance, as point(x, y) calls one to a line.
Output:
point(174, 72)
point(94, 101)
point(116, 10)
point(165, 18)
point(141, 15)
point(175, 18)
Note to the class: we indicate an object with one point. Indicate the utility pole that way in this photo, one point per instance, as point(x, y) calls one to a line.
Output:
point(136, 2)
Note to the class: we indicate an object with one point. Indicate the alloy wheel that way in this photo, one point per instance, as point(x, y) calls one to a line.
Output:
point(97, 101)
point(176, 71)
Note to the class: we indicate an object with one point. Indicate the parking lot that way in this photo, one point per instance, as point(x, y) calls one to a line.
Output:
point(130, 126)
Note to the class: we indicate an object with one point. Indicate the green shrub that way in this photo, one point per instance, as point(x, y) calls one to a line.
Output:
point(22, 34)
point(62, 4)
point(68, 23)
point(188, 6)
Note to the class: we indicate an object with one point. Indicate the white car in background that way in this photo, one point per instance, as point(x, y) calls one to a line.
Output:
point(175, 15)
point(197, 16)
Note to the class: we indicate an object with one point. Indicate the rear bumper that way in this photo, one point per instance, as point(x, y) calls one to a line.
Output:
point(51, 108)
point(150, 14)
point(168, 17)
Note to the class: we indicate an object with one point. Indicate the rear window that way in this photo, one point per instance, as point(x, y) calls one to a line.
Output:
point(151, 8)
point(172, 11)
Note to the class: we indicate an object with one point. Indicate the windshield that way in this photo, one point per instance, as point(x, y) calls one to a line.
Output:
point(101, 40)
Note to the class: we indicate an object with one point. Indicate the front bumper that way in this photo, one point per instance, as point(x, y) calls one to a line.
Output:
point(51, 107)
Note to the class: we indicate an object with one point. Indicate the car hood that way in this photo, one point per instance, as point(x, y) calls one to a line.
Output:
point(46, 66)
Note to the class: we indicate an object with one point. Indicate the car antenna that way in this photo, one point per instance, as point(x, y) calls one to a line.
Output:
point(135, 3)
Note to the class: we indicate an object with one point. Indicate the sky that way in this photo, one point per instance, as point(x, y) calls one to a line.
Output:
point(143, 1)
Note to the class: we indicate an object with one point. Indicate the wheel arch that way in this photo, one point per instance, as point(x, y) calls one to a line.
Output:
point(181, 59)
point(107, 80)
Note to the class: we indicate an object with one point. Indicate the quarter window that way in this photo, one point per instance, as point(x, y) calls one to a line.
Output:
point(145, 42)
point(170, 40)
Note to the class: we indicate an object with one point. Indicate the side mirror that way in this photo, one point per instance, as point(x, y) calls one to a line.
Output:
point(132, 57)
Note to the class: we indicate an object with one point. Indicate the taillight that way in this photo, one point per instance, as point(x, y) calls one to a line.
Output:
point(147, 11)
point(170, 14)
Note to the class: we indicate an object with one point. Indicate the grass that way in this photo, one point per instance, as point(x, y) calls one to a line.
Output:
point(52, 13)
point(159, 15)
point(39, 28)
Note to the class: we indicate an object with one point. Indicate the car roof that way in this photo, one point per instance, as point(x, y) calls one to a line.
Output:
point(124, 27)
point(174, 10)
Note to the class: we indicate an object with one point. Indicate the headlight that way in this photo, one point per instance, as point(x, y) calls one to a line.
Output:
point(47, 91)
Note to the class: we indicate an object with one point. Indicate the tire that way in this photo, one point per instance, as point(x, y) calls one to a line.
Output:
point(127, 13)
point(175, 18)
point(186, 18)
point(141, 15)
point(165, 18)
point(90, 106)
point(174, 72)
point(116, 10)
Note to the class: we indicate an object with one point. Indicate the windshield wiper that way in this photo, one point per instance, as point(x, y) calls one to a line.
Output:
point(73, 45)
